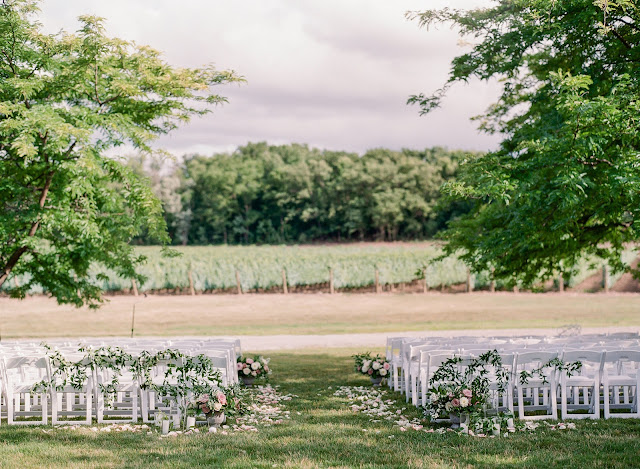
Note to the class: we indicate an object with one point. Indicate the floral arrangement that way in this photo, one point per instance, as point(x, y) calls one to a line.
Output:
point(254, 367)
point(372, 366)
point(459, 389)
point(223, 399)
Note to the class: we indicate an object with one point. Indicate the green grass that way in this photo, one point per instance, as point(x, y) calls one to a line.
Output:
point(325, 434)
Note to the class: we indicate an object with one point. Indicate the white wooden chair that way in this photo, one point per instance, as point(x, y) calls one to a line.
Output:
point(121, 406)
point(586, 383)
point(69, 401)
point(620, 383)
point(537, 393)
point(20, 375)
point(430, 360)
point(394, 358)
point(501, 400)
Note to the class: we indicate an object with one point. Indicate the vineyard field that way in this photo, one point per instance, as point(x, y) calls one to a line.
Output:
point(259, 268)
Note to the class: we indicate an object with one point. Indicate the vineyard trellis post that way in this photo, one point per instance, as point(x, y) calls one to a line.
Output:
point(285, 289)
point(377, 281)
point(605, 278)
point(425, 285)
point(560, 283)
point(331, 288)
point(134, 286)
point(492, 285)
point(192, 290)
point(469, 283)
point(238, 284)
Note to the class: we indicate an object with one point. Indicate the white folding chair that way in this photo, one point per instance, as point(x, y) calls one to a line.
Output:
point(72, 401)
point(430, 360)
point(586, 383)
point(121, 405)
point(20, 376)
point(537, 393)
point(501, 400)
point(620, 383)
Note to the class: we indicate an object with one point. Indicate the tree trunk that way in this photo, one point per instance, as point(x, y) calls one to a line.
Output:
point(15, 257)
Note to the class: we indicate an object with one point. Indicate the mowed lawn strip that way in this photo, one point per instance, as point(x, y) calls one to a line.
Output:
point(273, 314)
point(326, 433)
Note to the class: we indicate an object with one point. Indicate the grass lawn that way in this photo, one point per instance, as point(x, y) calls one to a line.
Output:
point(326, 433)
point(314, 314)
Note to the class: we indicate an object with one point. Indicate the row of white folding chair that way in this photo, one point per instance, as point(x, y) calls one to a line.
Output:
point(617, 371)
point(69, 401)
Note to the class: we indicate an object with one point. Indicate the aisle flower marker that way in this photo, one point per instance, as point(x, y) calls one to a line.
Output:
point(252, 368)
point(375, 367)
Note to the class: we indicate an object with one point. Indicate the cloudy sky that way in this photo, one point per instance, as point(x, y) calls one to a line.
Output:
point(335, 74)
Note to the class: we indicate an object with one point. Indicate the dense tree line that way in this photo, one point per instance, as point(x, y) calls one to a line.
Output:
point(292, 193)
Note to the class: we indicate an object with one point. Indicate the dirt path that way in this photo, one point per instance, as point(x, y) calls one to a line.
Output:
point(375, 340)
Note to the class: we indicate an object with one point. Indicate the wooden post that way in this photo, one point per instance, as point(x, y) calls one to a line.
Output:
point(15, 281)
point(134, 286)
point(191, 289)
point(238, 284)
point(285, 290)
point(425, 285)
point(605, 278)
point(469, 285)
point(133, 319)
point(331, 290)
point(492, 285)
point(442, 287)
point(560, 283)
point(377, 282)
point(515, 289)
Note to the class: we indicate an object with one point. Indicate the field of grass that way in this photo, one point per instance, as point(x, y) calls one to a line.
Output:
point(203, 315)
point(260, 267)
point(323, 432)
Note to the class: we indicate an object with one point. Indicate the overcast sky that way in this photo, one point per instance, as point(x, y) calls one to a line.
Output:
point(335, 74)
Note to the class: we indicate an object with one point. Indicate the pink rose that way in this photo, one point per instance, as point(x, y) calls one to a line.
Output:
point(386, 366)
point(240, 366)
point(244, 365)
point(467, 393)
point(455, 402)
point(370, 371)
point(266, 368)
point(222, 399)
point(205, 409)
point(249, 361)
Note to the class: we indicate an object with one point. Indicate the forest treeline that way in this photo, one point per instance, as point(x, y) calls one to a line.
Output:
point(266, 194)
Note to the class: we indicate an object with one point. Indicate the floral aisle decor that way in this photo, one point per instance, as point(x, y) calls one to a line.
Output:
point(252, 368)
point(375, 367)
point(217, 404)
point(460, 389)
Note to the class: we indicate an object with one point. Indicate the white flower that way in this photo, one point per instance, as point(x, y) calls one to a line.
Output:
point(246, 371)
point(253, 373)
point(365, 368)
point(376, 365)
point(217, 407)
point(383, 372)
point(433, 397)
point(464, 401)
point(367, 363)
point(255, 365)
point(448, 406)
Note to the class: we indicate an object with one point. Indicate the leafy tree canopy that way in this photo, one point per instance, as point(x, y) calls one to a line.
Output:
point(66, 99)
point(566, 178)
point(275, 194)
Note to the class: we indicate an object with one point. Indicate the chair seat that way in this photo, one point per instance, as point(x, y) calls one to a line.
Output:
point(621, 380)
